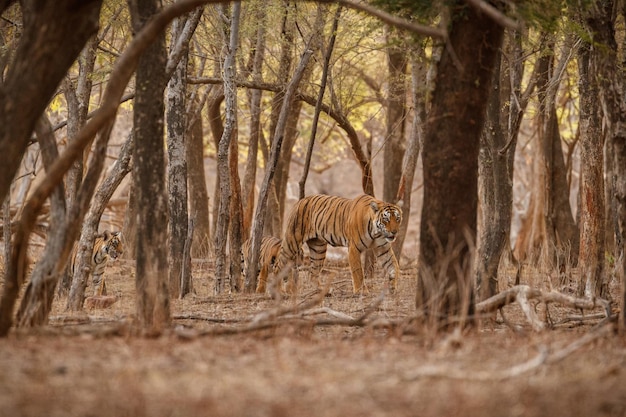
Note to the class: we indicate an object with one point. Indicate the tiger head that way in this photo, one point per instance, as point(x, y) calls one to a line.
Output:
point(112, 244)
point(387, 219)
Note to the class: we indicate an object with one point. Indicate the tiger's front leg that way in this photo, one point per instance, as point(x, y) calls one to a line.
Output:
point(356, 270)
point(99, 286)
point(389, 263)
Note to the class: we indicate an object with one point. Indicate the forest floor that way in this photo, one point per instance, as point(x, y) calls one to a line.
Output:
point(228, 356)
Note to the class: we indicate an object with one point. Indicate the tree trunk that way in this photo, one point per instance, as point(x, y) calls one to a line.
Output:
point(198, 195)
point(216, 97)
point(610, 76)
point(495, 176)
point(591, 257)
point(117, 173)
point(37, 300)
point(450, 158)
point(261, 208)
point(273, 227)
point(396, 117)
point(318, 105)
point(53, 35)
point(255, 95)
point(405, 191)
point(77, 98)
point(153, 308)
point(548, 229)
point(229, 134)
point(177, 166)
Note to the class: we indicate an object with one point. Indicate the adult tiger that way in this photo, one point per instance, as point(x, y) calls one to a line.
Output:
point(270, 248)
point(361, 223)
point(107, 245)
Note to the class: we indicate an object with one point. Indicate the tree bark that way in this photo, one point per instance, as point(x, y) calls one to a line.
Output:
point(177, 165)
point(591, 257)
point(495, 176)
point(198, 195)
point(153, 308)
point(255, 95)
point(450, 158)
point(229, 134)
point(103, 194)
point(396, 116)
point(405, 191)
point(261, 208)
point(548, 230)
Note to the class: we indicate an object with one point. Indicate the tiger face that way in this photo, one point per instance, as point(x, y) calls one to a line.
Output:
point(387, 220)
point(112, 244)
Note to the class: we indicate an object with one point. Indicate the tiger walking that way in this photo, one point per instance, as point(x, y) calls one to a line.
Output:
point(360, 223)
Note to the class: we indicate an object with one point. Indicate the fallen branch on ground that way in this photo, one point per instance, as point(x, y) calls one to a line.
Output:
point(522, 294)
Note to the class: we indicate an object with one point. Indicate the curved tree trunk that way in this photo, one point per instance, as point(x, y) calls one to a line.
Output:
point(117, 173)
point(261, 208)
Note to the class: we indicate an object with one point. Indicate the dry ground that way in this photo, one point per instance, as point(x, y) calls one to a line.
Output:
point(91, 364)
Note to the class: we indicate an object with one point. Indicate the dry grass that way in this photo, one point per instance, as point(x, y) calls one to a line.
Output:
point(90, 364)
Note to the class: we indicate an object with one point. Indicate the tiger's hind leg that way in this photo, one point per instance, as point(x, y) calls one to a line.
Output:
point(317, 254)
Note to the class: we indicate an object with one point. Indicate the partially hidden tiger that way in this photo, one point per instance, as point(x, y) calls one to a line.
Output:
point(270, 248)
point(108, 245)
point(359, 224)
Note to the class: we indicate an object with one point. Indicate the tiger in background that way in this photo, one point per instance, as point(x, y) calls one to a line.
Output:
point(360, 223)
point(270, 248)
point(107, 245)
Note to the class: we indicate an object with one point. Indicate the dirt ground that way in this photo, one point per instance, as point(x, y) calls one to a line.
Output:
point(219, 359)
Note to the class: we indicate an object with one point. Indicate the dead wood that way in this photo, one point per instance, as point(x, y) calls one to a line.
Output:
point(522, 294)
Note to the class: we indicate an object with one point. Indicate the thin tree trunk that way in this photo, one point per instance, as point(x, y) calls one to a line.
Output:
point(320, 99)
point(549, 229)
point(103, 194)
point(198, 195)
point(591, 258)
point(229, 134)
point(259, 215)
point(249, 182)
point(177, 165)
point(418, 79)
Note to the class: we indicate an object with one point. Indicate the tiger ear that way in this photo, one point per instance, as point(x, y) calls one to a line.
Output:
point(374, 206)
point(106, 235)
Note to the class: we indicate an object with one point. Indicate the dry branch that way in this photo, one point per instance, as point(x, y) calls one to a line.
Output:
point(522, 294)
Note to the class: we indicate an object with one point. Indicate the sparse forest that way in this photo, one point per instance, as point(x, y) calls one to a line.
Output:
point(145, 143)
